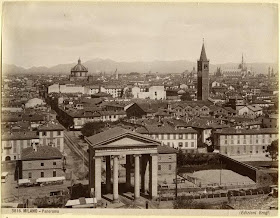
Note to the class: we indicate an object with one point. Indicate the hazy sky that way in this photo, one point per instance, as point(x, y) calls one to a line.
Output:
point(46, 34)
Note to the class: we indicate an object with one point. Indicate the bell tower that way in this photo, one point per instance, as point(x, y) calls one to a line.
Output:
point(203, 76)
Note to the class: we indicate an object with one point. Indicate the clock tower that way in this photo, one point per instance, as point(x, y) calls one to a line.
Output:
point(203, 76)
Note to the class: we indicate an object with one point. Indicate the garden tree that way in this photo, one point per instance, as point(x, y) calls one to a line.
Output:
point(272, 150)
point(127, 94)
point(186, 97)
point(92, 128)
point(181, 158)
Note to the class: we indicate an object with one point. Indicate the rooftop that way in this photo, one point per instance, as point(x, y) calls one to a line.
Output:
point(231, 131)
point(42, 153)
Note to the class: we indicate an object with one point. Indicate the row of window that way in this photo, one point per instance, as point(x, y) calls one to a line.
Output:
point(250, 142)
point(42, 174)
point(245, 150)
point(247, 136)
point(44, 133)
point(186, 144)
point(179, 136)
point(15, 147)
point(42, 164)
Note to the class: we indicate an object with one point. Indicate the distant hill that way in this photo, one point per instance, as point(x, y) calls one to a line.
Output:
point(109, 66)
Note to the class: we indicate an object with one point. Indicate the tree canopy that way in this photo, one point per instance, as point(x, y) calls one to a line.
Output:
point(92, 128)
point(186, 97)
point(272, 150)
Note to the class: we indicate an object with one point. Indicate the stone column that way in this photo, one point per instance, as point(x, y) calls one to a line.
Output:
point(108, 173)
point(115, 179)
point(97, 177)
point(153, 168)
point(144, 161)
point(128, 172)
point(136, 177)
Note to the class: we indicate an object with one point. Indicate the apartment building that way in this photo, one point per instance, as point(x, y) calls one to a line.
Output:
point(233, 142)
point(184, 139)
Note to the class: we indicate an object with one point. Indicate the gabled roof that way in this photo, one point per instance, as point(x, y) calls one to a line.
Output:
point(102, 139)
point(42, 153)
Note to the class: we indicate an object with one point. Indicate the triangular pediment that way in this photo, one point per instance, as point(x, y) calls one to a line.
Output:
point(127, 141)
point(118, 138)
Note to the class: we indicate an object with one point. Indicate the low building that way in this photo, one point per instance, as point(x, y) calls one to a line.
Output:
point(251, 111)
point(151, 92)
point(75, 119)
point(40, 162)
point(270, 121)
point(236, 142)
point(167, 164)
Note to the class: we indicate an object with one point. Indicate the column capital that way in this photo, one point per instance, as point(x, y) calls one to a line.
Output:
point(137, 155)
point(115, 156)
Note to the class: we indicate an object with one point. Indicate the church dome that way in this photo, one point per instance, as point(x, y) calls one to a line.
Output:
point(79, 67)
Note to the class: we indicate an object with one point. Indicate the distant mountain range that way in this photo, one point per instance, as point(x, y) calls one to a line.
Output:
point(109, 66)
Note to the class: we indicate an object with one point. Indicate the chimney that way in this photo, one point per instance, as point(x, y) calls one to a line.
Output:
point(34, 147)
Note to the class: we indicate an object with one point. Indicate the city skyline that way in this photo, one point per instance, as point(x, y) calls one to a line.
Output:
point(170, 32)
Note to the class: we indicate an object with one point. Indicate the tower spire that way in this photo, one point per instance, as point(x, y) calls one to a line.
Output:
point(203, 56)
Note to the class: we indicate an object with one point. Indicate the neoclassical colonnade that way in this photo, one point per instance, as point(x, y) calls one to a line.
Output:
point(145, 163)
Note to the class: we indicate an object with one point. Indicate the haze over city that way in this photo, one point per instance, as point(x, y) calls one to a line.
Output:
point(47, 34)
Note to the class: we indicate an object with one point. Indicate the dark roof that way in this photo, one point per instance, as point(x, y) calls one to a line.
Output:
point(42, 153)
point(114, 133)
point(19, 116)
point(50, 126)
point(164, 149)
point(164, 129)
point(20, 136)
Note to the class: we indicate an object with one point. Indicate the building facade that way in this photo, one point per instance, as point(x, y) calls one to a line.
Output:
point(41, 162)
point(237, 142)
point(51, 134)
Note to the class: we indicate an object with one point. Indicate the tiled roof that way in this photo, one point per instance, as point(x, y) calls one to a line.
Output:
point(50, 126)
point(113, 133)
point(192, 104)
point(42, 153)
point(164, 149)
point(20, 136)
point(18, 116)
point(164, 129)
point(254, 108)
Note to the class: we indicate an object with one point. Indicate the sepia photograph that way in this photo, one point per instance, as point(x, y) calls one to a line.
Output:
point(164, 107)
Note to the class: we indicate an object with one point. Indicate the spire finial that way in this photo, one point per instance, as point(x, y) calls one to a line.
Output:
point(203, 40)
point(79, 61)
